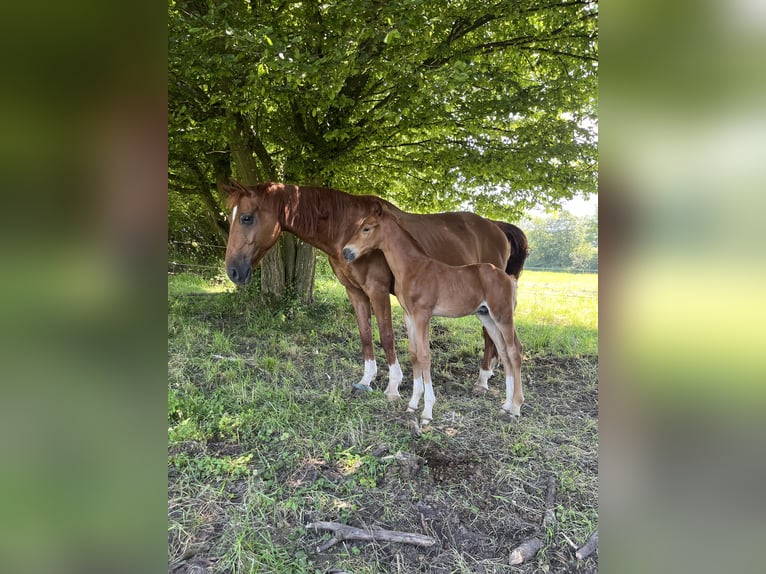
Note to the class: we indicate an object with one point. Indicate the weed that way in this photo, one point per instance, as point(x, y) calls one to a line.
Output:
point(266, 435)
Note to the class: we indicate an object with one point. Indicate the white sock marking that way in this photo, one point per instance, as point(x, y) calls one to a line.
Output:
point(429, 401)
point(484, 376)
point(417, 392)
point(395, 377)
point(509, 384)
point(370, 370)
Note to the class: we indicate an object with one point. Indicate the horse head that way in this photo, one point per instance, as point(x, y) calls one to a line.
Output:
point(254, 228)
point(367, 235)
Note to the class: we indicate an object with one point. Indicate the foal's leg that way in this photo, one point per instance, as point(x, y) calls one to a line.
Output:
point(417, 371)
point(421, 324)
point(516, 353)
point(361, 304)
point(488, 362)
point(504, 336)
point(381, 304)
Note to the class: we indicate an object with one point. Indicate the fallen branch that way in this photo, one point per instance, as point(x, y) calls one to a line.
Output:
point(549, 518)
point(524, 551)
point(590, 546)
point(529, 548)
point(345, 532)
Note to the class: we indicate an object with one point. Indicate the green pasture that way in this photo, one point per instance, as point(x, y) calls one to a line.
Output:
point(264, 434)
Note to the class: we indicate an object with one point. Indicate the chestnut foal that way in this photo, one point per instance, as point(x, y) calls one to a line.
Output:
point(426, 287)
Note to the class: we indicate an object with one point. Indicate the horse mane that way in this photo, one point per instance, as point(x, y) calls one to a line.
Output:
point(306, 207)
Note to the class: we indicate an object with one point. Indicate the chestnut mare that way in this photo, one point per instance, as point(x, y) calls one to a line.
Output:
point(326, 218)
point(426, 287)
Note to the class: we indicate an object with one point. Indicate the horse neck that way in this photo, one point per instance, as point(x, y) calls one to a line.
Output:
point(402, 251)
point(302, 213)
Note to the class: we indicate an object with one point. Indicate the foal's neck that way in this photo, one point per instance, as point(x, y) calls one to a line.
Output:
point(401, 249)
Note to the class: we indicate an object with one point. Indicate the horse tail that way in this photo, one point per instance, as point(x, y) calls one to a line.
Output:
point(519, 247)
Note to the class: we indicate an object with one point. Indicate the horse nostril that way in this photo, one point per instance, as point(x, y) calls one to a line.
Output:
point(233, 274)
point(348, 254)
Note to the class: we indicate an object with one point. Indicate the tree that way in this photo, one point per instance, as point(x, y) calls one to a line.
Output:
point(434, 105)
point(563, 241)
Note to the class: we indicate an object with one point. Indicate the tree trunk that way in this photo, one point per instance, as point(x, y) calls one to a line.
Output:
point(288, 268)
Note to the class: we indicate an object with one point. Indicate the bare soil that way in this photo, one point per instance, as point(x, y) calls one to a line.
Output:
point(474, 481)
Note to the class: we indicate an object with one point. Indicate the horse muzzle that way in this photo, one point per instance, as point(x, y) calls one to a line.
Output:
point(240, 275)
point(348, 254)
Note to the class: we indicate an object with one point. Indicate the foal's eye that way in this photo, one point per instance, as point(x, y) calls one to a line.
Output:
point(245, 219)
point(366, 229)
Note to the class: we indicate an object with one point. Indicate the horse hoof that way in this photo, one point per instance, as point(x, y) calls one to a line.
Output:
point(362, 387)
point(410, 410)
point(479, 391)
point(392, 398)
point(510, 413)
point(424, 422)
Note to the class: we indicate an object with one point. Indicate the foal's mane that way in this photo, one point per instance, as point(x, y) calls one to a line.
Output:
point(388, 213)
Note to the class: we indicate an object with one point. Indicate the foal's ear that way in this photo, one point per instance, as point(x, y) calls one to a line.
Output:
point(377, 208)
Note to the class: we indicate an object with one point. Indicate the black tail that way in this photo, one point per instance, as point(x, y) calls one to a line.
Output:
point(519, 247)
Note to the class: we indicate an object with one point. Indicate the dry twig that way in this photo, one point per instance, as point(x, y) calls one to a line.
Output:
point(345, 532)
point(590, 546)
point(531, 546)
point(526, 550)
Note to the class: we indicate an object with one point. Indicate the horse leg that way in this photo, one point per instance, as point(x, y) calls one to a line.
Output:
point(516, 353)
point(421, 325)
point(488, 362)
point(510, 356)
point(361, 304)
point(381, 305)
point(417, 371)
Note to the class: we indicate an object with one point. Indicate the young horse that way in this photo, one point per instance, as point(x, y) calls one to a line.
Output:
point(325, 218)
point(426, 287)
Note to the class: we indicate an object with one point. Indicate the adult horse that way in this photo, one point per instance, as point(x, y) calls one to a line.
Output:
point(326, 218)
point(427, 287)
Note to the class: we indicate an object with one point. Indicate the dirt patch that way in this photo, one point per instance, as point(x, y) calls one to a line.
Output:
point(473, 481)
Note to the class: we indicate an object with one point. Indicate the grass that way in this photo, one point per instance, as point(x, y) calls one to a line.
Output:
point(265, 435)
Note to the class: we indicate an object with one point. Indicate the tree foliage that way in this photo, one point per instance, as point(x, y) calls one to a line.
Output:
point(435, 105)
point(563, 241)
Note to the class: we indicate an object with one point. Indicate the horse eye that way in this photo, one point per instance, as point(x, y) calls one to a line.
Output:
point(366, 229)
point(246, 219)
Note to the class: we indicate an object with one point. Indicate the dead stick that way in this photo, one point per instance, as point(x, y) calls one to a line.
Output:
point(526, 550)
point(550, 500)
point(531, 546)
point(590, 546)
point(345, 532)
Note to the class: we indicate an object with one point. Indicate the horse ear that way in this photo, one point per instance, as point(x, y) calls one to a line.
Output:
point(228, 189)
point(377, 208)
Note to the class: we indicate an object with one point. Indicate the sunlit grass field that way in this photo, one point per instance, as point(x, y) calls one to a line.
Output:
point(265, 435)
point(556, 313)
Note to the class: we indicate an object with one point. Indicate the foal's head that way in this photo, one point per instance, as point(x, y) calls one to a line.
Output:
point(368, 235)
point(254, 228)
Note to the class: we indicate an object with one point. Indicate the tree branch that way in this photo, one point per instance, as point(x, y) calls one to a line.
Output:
point(345, 532)
point(589, 547)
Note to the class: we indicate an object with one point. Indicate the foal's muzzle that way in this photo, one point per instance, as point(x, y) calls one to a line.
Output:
point(348, 254)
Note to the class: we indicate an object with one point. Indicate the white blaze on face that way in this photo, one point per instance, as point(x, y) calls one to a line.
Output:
point(234, 214)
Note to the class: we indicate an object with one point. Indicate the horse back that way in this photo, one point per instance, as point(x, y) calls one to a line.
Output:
point(458, 238)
